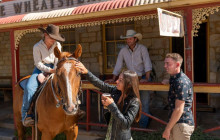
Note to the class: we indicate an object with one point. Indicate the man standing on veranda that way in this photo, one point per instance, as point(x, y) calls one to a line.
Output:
point(180, 98)
point(136, 58)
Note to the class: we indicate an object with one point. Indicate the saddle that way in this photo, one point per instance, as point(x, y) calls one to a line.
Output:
point(23, 82)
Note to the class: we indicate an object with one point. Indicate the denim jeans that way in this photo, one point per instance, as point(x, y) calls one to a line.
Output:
point(30, 89)
point(145, 100)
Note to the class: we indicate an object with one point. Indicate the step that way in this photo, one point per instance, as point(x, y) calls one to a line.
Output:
point(7, 134)
point(7, 123)
point(4, 116)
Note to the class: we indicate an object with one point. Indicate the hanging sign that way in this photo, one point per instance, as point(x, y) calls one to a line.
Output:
point(170, 23)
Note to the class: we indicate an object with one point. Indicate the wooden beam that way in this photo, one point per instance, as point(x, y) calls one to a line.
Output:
point(201, 88)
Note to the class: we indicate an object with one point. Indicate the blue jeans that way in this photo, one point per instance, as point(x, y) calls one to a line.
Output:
point(30, 89)
point(145, 100)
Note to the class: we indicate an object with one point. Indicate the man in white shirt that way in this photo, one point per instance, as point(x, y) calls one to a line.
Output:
point(136, 58)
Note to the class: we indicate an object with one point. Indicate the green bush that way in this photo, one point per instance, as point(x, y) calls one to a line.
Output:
point(198, 134)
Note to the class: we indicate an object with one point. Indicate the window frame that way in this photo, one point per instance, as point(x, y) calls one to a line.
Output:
point(114, 25)
point(68, 44)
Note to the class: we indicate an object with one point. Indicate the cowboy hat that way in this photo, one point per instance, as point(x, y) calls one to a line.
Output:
point(53, 32)
point(132, 33)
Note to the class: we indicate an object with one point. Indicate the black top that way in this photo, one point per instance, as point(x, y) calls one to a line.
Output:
point(122, 121)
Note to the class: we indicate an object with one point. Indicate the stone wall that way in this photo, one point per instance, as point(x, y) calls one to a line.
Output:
point(91, 40)
point(157, 45)
point(5, 58)
point(214, 56)
point(26, 52)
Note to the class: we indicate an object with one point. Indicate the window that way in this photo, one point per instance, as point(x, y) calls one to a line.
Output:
point(112, 43)
point(69, 45)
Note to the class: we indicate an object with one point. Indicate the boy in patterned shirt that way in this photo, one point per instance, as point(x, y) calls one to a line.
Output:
point(180, 97)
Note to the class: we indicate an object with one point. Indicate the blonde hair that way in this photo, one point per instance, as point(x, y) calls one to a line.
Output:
point(176, 57)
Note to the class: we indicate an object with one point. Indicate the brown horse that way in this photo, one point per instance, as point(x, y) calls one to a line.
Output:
point(57, 105)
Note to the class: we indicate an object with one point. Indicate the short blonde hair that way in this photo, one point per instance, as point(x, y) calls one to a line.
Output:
point(175, 56)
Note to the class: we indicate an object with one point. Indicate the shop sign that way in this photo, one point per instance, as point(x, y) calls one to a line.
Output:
point(170, 23)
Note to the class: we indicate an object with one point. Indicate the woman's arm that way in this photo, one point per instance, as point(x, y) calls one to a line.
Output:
point(127, 119)
point(95, 80)
point(99, 83)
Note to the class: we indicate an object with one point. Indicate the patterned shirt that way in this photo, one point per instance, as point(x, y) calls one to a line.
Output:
point(137, 60)
point(181, 88)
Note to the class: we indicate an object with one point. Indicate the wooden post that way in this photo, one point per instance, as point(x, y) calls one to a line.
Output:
point(188, 53)
point(13, 63)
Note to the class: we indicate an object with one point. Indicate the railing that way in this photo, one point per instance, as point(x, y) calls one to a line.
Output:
point(198, 87)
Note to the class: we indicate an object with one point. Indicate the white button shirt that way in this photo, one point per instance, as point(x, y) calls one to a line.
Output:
point(44, 56)
point(137, 60)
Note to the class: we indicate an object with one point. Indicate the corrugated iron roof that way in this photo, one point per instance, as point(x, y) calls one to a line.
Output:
point(101, 6)
point(143, 2)
point(50, 14)
point(11, 19)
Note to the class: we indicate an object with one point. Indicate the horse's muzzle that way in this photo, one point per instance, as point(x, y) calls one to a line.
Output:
point(70, 110)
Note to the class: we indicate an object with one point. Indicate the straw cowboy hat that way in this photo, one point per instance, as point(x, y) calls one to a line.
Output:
point(132, 33)
point(53, 32)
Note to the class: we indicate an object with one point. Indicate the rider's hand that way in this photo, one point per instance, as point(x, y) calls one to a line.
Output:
point(82, 68)
point(52, 70)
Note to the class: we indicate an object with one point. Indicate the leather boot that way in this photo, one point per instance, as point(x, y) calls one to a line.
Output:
point(80, 114)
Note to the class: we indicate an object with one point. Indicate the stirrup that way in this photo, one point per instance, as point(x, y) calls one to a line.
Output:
point(28, 121)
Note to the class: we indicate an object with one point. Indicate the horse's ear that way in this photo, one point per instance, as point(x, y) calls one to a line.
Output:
point(77, 53)
point(57, 52)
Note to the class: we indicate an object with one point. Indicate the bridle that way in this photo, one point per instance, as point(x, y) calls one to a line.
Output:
point(61, 102)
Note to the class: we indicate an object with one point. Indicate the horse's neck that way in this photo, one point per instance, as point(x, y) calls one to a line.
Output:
point(50, 90)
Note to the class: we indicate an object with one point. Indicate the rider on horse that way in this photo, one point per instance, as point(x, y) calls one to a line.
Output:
point(44, 61)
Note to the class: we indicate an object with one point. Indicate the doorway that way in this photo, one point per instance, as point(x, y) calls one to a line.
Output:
point(200, 61)
point(178, 47)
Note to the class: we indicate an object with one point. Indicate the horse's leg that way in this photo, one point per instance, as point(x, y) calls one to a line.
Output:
point(20, 129)
point(46, 136)
point(72, 133)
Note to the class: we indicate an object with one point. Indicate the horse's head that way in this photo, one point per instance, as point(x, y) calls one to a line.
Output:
point(67, 79)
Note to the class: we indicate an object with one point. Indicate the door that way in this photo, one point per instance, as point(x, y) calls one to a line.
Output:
point(200, 62)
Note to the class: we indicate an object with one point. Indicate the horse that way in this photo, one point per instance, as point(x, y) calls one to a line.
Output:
point(58, 102)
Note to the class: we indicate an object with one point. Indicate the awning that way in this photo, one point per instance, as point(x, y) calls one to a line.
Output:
point(84, 9)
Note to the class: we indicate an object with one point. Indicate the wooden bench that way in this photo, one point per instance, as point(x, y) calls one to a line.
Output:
point(5, 88)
